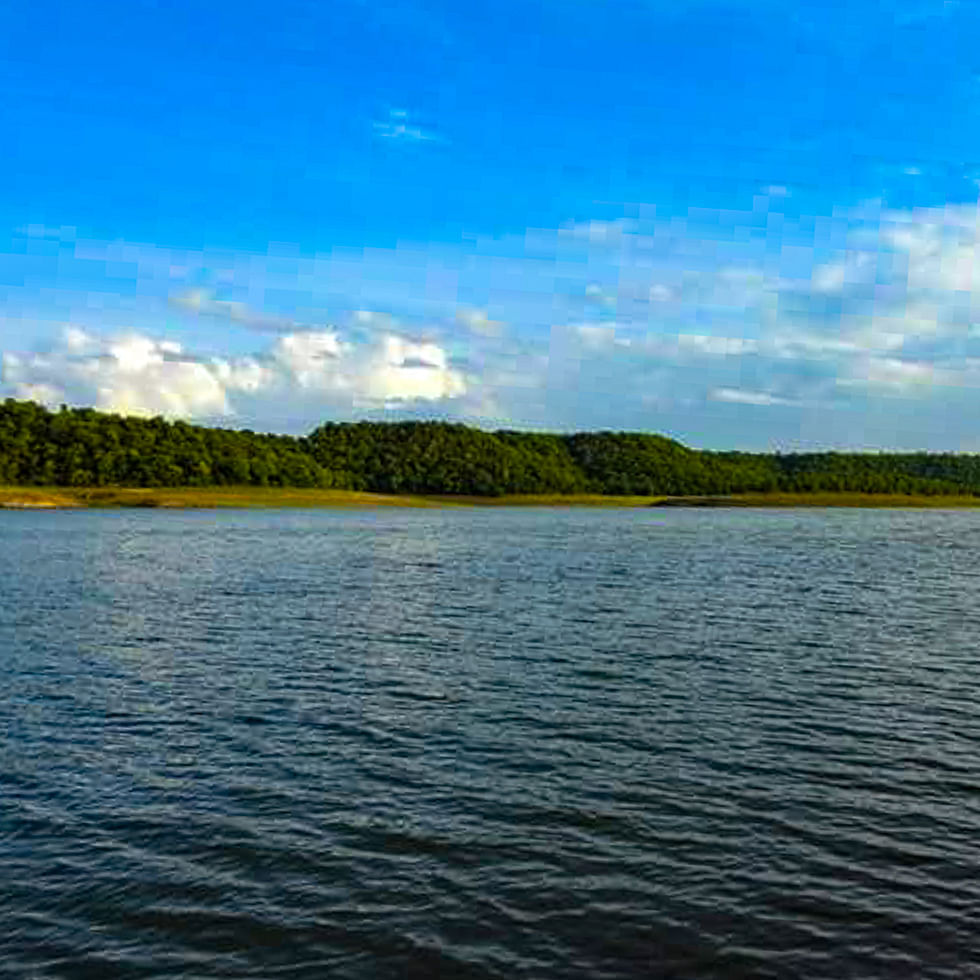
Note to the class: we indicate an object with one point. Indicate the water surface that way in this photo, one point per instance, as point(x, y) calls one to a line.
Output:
point(489, 744)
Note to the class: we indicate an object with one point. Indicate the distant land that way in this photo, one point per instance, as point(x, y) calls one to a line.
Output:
point(83, 457)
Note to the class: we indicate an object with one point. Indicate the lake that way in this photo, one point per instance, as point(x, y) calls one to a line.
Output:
point(490, 743)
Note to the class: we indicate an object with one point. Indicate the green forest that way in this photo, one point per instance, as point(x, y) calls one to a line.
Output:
point(81, 447)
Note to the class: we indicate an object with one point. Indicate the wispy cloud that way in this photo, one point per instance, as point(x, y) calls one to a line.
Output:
point(741, 397)
point(203, 302)
point(399, 126)
point(477, 322)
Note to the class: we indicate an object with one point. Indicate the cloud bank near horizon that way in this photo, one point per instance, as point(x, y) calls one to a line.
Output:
point(695, 323)
point(135, 374)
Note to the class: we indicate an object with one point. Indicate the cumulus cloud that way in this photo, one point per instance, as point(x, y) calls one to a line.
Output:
point(310, 357)
point(141, 375)
point(399, 371)
point(390, 370)
point(131, 374)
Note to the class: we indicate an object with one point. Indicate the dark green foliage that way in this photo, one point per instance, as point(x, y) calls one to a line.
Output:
point(632, 463)
point(438, 457)
point(923, 473)
point(82, 447)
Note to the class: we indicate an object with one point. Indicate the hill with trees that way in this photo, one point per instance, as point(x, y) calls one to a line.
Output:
point(83, 447)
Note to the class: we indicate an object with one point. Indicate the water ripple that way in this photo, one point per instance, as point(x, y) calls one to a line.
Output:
point(507, 744)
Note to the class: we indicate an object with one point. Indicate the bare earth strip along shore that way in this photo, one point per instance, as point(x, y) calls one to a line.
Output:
point(49, 498)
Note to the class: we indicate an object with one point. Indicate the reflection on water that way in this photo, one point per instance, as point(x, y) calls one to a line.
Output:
point(548, 743)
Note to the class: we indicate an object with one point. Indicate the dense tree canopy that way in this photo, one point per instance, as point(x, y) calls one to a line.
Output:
point(83, 447)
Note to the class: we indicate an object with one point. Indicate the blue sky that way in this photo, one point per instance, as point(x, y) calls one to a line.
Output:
point(743, 224)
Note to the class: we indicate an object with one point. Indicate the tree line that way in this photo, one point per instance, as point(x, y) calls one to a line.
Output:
point(84, 447)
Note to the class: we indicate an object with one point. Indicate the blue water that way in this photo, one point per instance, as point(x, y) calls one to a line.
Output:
point(490, 744)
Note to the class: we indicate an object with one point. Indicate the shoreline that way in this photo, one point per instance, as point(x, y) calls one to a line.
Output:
point(58, 498)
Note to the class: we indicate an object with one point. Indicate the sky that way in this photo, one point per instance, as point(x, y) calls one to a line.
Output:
point(749, 224)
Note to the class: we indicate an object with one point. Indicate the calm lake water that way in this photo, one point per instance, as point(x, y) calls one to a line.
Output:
point(490, 744)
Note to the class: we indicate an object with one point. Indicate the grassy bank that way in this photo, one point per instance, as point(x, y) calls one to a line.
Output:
point(176, 497)
point(545, 500)
point(209, 497)
point(823, 499)
point(250, 497)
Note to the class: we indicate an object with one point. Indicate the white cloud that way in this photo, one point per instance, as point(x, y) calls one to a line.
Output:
point(897, 375)
point(597, 336)
point(741, 397)
point(398, 126)
point(399, 371)
point(77, 340)
point(603, 233)
point(389, 370)
point(131, 374)
point(477, 322)
point(893, 310)
point(717, 346)
point(246, 374)
point(202, 302)
point(831, 277)
point(310, 357)
point(44, 394)
point(140, 375)
point(660, 293)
